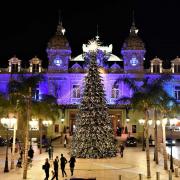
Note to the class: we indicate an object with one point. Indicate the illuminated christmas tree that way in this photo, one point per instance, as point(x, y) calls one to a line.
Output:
point(93, 137)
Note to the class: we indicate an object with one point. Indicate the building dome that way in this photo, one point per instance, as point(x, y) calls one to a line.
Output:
point(133, 42)
point(115, 68)
point(59, 41)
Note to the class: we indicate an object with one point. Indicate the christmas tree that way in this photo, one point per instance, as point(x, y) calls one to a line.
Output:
point(93, 137)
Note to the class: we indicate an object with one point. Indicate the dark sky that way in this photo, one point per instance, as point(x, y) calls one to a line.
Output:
point(25, 28)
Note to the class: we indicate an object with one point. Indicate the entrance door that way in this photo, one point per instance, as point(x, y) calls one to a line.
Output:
point(72, 118)
point(117, 124)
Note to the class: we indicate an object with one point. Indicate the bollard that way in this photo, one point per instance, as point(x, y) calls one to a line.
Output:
point(140, 177)
point(120, 177)
point(176, 172)
point(157, 175)
point(170, 175)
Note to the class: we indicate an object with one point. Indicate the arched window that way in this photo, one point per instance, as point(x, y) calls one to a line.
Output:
point(76, 91)
point(177, 92)
point(115, 91)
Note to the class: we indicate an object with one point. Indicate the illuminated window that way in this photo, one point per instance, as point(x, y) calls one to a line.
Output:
point(36, 93)
point(115, 92)
point(177, 68)
point(177, 92)
point(76, 91)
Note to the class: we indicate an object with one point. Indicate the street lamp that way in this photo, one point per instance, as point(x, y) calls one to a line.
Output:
point(47, 123)
point(141, 122)
point(8, 123)
point(33, 125)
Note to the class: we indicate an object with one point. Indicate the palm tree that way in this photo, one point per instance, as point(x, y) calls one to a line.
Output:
point(46, 108)
point(21, 89)
point(145, 93)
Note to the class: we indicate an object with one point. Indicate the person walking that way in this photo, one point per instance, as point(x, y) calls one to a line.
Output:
point(121, 149)
point(72, 164)
point(65, 137)
point(46, 167)
point(31, 153)
point(65, 142)
point(63, 164)
point(50, 152)
point(55, 174)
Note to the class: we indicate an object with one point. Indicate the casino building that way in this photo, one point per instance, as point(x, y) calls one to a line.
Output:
point(65, 74)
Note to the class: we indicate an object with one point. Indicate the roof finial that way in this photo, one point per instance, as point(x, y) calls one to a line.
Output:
point(133, 29)
point(60, 29)
point(97, 34)
point(60, 22)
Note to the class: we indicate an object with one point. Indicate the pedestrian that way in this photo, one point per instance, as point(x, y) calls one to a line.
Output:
point(65, 141)
point(50, 152)
point(46, 167)
point(63, 164)
point(121, 149)
point(65, 137)
point(55, 174)
point(19, 163)
point(150, 140)
point(31, 153)
point(72, 164)
point(21, 153)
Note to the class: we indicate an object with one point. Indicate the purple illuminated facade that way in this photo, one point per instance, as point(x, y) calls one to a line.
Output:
point(64, 76)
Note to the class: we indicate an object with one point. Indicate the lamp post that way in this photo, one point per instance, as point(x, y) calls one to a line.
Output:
point(14, 120)
point(8, 123)
point(141, 122)
point(164, 122)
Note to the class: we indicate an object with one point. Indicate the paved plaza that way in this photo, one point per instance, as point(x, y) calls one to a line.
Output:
point(133, 163)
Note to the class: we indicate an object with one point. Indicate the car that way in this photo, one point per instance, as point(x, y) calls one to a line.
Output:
point(170, 142)
point(131, 142)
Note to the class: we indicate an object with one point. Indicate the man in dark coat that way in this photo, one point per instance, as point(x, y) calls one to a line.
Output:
point(31, 153)
point(46, 167)
point(72, 164)
point(63, 163)
point(50, 152)
point(56, 161)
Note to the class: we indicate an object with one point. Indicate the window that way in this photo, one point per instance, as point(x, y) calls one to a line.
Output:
point(36, 93)
point(177, 92)
point(76, 91)
point(115, 92)
point(177, 68)
point(14, 68)
point(35, 68)
point(156, 68)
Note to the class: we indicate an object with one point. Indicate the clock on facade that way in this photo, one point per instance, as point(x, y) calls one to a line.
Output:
point(134, 61)
point(58, 61)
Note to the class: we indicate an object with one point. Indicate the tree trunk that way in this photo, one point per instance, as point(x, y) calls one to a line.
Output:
point(164, 148)
point(147, 145)
point(40, 136)
point(156, 157)
point(25, 161)
point(28, 117)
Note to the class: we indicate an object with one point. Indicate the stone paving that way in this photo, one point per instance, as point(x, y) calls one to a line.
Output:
point(133, 163)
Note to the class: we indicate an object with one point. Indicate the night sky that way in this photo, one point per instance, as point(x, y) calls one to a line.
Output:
point(25, 28)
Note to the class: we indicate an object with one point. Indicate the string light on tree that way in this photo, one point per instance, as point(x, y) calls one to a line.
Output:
point(93, 136)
